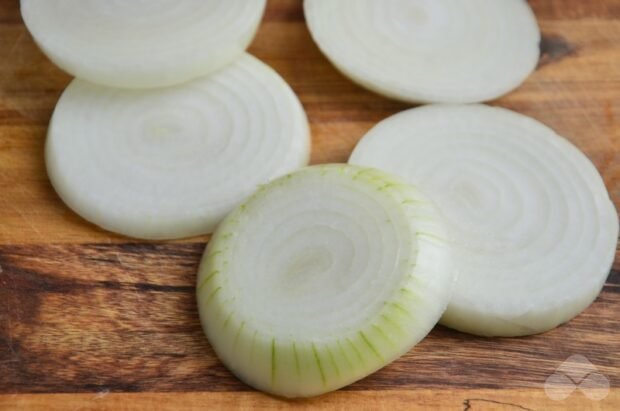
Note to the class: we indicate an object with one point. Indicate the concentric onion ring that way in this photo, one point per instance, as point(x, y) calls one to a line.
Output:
point(173, 162)
point(429, 50)
point(141, 44)
point(322, 277)
point(534, 229)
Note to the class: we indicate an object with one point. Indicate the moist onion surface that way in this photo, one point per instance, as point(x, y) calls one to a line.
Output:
point(534, 229)
point(322, 277)
point(449, 51)
point(172, 162)
point(140, 44)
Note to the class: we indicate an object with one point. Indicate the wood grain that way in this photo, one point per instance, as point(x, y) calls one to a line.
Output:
point(122, 317)
point(410, 400)
point(97, 315)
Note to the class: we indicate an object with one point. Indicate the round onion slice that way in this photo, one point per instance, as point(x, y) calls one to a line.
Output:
point(534, 229)
point(322, 277)
point(140, 44)
point(429, 50)
point(172, 162)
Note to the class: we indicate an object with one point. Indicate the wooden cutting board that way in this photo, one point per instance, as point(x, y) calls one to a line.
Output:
point(93, 320)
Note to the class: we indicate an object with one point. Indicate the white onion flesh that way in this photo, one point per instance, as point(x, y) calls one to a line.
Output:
point(450, 51)
point(172, 162)
point(534, 229)
point(322, 277)
point(138, 43)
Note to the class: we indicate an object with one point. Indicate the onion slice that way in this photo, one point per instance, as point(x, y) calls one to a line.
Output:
point(429, 50)
point(322, 277)
point(172, 162)
point(534, 229)
point(140, 44)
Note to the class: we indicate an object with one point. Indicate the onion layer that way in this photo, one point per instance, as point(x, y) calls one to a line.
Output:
point(534, 229)
point(429, 50)
point(141, 44)
point(172, 162)
point(322, 277)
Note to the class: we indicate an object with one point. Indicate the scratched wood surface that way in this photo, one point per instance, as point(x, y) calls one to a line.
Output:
point(96, 320)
